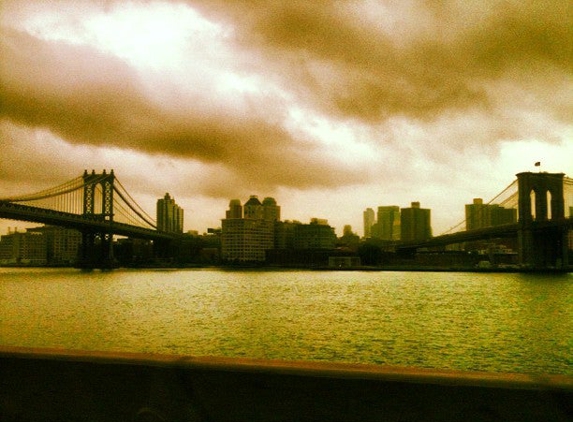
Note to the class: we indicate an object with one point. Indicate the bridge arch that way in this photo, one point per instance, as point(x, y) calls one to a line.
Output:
point(547, 188)
point(541, 204)
point(100, 203)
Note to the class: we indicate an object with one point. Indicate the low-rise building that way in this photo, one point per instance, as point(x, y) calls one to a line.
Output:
point(316, 235)
point(23, 248)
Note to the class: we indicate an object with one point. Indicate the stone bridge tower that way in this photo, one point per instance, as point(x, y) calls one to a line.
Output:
point(542, 241)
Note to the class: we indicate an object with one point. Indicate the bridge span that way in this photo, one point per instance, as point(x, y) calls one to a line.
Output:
point(541, 230)
point(97, 205)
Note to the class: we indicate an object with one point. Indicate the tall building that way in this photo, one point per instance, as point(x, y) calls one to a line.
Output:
point(169, 215)
point(245, 239)
point(480, 215)
point(247, 232)
point(415, 223)
point(235, 209)
point(253, 209)
point(387, 226)
point(284, 234)
point(368, 219)
point(271, 211)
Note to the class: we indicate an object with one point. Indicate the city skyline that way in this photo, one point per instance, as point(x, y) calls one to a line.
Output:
point(331, 108)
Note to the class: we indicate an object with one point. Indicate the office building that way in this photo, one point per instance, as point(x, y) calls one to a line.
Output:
point(480, 215)
point(247, 232)
point(316, 235)
point(415, 223)
point(271, 211)
point(284, 234)
point(387, 226)
point(62, 244)
point(253, 209)
point(246, 239)
point(235, 209)
point(169, 215)
point(368, 220)
point(23, 248)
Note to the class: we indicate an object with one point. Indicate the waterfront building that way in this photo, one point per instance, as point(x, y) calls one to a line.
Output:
point(316, 235)
point(28, 248)
point(349, 239)
point(248, 237)
point(368, 220)
point(480, 215)
point(245, 239)
point(169, 215)
point(284, 234)
point(62, 244)
point(415, 223)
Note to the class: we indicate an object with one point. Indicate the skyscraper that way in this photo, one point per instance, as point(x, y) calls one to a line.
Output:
point(253, 209)
point(368, 219)
point(387, 225)
point(415, 223)
point(169, 215)
point(271, 211)
point(235, 209)
point(480, 215)
point(247, 232)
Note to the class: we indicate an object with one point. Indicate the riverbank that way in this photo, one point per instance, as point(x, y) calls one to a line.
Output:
point(263, 266)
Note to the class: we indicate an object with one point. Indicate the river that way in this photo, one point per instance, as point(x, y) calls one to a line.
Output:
point(498, 322)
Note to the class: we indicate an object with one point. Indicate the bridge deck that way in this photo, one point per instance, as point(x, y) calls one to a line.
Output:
point(14, 211)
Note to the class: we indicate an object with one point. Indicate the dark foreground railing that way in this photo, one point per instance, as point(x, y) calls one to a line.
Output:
point(52, 385)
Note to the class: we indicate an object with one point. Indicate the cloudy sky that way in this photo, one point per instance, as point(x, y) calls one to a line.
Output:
point(328, 106)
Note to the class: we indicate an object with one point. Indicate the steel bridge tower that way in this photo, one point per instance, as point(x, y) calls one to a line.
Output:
point(541, 202)
point(97, 246)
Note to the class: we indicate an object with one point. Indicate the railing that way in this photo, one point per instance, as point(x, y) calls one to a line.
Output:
point(40, 385)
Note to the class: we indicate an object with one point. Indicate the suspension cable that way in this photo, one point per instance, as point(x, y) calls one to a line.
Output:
point(123, 194)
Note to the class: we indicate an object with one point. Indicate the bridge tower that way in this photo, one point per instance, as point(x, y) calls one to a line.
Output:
point(541, 204)
point(98, 204)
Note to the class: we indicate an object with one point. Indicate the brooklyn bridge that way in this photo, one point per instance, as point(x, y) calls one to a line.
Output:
point(99, 207)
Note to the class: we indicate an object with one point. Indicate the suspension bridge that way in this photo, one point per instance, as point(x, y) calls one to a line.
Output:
point(97, 205)
point(543, 205)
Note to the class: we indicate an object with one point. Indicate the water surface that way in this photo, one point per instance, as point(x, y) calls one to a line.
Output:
point(468, 321)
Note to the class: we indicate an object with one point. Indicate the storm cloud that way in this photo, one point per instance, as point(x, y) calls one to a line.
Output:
point(374, 60)
point(285, 96)
point(88, 97)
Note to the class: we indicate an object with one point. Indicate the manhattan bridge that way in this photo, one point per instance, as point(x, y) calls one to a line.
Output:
point(99, 207)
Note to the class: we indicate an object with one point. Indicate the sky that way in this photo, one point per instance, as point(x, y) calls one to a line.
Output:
point(330, 107)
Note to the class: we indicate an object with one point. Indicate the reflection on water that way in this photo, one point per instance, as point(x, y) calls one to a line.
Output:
point(468, 321)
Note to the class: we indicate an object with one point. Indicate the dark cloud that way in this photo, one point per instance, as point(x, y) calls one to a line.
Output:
point(86, 96)
point(428, 58)
point(425, 85)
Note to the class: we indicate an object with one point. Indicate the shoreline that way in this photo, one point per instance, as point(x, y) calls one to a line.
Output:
point(401, 268)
